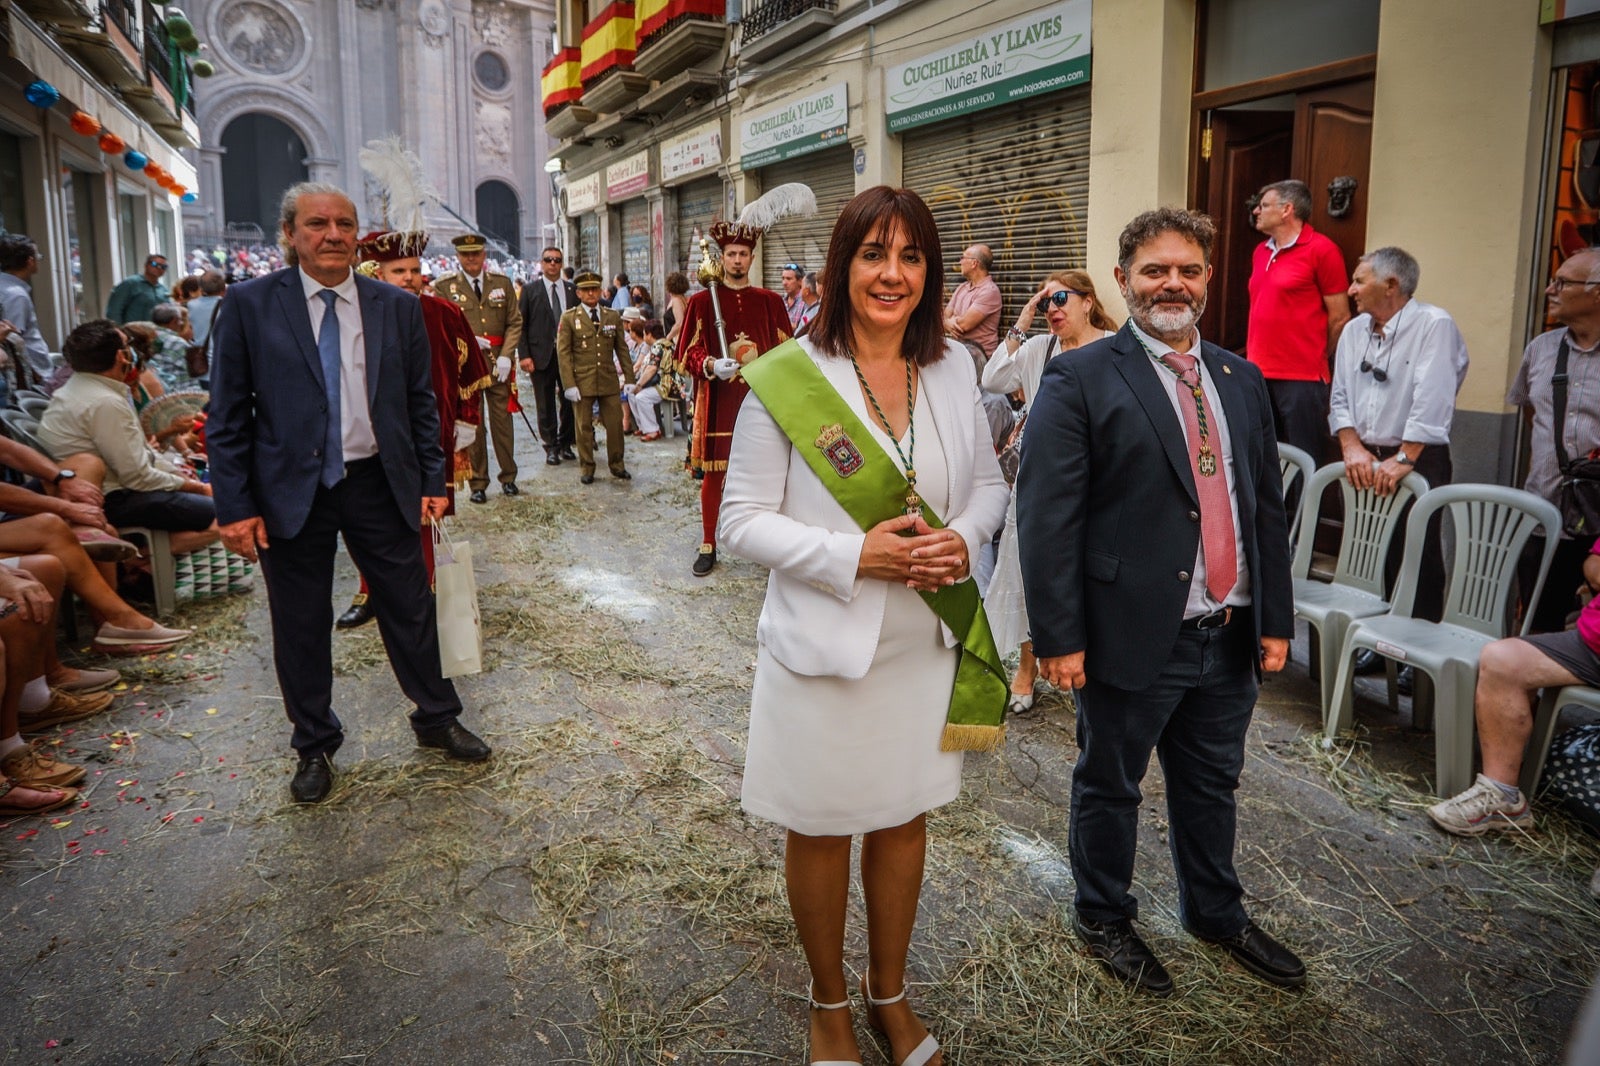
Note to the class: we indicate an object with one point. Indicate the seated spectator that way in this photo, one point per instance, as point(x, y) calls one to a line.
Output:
point(641, 300)
point(1510, 674)
point(142, 381)
point(174, 338)
point(645, 394)
point(89, 416)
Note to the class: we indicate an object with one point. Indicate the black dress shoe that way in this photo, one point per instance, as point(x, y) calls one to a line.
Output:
point(552, 459)
point(313, 779)
point(1263, 956)
point(587, 479)
point(567, 452)
point(705, 561)
point(509, 488)
point(359, 614)
point(456, 741)
point(479, 496)
point(622, 475)
point(1367, 662)
point(1127, 958)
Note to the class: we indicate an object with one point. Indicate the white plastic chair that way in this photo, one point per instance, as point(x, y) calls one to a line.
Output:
point(1295, 465)
point(1356, 591)
point(1544, 728)
point(1492, 525)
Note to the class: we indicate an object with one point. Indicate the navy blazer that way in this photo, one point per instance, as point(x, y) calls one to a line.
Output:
point(268, 415)
point(540, 320)
point(1108, 516)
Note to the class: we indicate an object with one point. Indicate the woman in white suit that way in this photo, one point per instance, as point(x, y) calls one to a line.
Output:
point(853, 670)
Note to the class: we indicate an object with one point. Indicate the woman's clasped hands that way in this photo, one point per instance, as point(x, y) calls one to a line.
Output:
point(906, 549)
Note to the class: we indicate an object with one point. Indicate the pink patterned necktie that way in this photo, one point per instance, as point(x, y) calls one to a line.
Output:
point(1216, 512)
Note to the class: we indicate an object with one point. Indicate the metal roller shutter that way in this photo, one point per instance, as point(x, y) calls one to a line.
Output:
point(699, 205)
point(588, 242)
point(1016, 179)
point(636, 241)
point(831, 176)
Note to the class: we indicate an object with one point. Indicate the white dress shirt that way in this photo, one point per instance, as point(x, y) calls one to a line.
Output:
point(557, 297)
point(355, 417)
point(1200, 601)
point(1425, 359)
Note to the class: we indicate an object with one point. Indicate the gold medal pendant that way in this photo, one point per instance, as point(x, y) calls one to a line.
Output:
point(1207, 462)
point(913, 501)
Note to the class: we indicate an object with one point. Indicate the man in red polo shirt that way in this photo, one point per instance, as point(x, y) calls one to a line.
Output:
point(1298, 308)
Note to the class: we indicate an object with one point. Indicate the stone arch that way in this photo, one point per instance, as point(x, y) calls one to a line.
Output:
point(263, 156)
point(499, 213)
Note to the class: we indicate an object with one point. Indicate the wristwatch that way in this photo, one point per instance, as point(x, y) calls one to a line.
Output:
point(63, 475)
point(1402, 457)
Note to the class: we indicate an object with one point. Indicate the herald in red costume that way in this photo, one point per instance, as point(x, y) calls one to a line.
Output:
point(754, 321)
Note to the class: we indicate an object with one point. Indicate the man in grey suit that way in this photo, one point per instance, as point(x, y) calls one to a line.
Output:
point(323, 422)
point(1155, 561)
point(544, 300)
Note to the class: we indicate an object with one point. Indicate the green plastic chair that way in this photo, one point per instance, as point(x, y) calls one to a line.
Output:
point(1492, 525)
point(1356, 591)
point(1295, 465)
point(1544, 728)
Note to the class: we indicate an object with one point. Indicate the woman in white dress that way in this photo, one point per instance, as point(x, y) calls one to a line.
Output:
point(1074, 316)
point(853, 670)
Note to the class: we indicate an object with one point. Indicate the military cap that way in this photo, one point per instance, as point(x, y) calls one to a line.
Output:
point(587, 279)
point(470, 242)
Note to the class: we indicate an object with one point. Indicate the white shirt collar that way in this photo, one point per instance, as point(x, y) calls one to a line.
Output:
point(1386, 331)
point(346, 288)
point(1158, 348)
point(1275, 247)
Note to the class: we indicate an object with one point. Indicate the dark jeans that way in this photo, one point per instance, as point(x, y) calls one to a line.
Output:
point(299, 577)
point(553, 432)
point(1194, 717)
point(1559, 597)
point(179, 512)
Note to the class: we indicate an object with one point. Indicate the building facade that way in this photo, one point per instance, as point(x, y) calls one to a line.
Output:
point(95, 114)
point(302, 85)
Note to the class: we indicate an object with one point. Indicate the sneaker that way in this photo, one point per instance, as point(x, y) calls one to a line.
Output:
point(1481, 808)
point(63, 707)
point(33, 768)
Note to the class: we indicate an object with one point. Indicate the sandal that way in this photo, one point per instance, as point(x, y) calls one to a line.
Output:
point(10, 809)
point(923, 1052)
point(841, 1005)
point(1019, 704)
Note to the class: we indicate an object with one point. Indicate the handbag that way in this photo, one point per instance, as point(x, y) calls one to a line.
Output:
point(198, 359)
point(1580, 478)
point(456, 590)
point(1011, 451)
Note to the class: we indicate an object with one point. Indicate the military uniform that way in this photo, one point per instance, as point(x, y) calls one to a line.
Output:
point(496, 318)
point(590, 354)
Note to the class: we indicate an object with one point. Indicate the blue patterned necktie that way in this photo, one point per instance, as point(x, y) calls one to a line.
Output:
point(328, 349)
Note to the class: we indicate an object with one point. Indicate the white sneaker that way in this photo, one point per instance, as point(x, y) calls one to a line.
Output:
point(1481, 808)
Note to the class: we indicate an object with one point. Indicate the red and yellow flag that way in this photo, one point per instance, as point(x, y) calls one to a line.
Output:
point(560, 84)
point(655, 15)
point(608, 41)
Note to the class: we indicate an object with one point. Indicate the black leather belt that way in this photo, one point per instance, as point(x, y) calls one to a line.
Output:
point(1217, 619)
point(356, 466)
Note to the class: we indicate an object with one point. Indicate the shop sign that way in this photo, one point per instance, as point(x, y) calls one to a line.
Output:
point(1561, 10)
point(1039, 53)
point(583, 194)
point(629, 177)
point(813, 122)
point(690, 152)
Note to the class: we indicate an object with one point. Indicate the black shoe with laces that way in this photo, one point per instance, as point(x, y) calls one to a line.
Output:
point(1127, 957)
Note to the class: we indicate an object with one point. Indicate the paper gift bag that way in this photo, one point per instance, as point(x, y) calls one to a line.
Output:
point(460, 633)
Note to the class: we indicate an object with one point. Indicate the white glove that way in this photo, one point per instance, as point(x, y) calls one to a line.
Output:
point(573, 394)
point(502, 368)
point(627, 390)
point(466, 435)
point(483, 343)
point(725, 368)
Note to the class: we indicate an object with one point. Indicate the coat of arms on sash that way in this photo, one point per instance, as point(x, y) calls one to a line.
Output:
point(841, 452)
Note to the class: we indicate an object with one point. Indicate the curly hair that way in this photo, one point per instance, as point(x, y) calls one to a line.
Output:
point(1194, 225)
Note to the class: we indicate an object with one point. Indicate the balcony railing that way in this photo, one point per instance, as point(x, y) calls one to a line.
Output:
point(764, 16)
point(124, 14)
point(157, 45)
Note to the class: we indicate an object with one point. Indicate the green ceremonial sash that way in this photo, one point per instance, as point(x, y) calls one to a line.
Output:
point(871, 489)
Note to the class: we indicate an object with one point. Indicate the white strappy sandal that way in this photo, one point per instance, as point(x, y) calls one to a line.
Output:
point(841, 1005)
point(923, 1052)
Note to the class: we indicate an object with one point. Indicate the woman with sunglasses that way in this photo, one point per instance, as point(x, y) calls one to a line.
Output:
point(1074, 316)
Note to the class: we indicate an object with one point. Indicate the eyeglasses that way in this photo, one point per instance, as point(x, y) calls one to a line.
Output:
point(1560, 284)
point(1265, 206)
point(1379, 374)
point(1060, 297)
point(551, 259)
point(158, 264)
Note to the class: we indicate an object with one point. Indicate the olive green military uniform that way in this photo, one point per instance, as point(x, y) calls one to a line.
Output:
point(589, 355)
point(497, 318)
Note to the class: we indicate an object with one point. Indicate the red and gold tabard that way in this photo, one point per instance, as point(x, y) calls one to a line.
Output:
point(460, 372)
point(755, 321)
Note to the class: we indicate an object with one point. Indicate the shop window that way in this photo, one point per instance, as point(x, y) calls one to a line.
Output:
point(1247, 40)
point(12, 206)
point(129, 239)
point(78, 211)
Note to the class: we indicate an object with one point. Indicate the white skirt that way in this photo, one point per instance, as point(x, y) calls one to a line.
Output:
point(829, 756)
point(1004, 603)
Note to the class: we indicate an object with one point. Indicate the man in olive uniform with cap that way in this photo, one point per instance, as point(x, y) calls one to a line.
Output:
point(490, 303)
point(590, 345)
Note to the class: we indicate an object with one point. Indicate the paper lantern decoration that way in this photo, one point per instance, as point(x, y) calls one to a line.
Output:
point(111, 144)
point(202, 68)
point(84, 123)
point(178, 25)
point(181, 192)
point(189, 45)
point(189, 198)
point(152, 168)
point(41, 93)
point(135, 159)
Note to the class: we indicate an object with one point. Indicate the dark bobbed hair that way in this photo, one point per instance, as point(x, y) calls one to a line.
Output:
point(883, 208)
point(92, 347)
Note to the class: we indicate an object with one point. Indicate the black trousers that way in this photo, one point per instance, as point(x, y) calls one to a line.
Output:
point(299, 574)
point(1436, 469)
point(555, 432)
point(1559, 597)
point(1194, 717)
point(1300, 415)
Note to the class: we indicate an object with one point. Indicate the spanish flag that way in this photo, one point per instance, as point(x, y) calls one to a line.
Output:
point(608, 41)
point(559, 85)
point(656, 15)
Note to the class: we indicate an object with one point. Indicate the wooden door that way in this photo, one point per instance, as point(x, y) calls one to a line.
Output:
point(1248, 150)
point(1333, 141)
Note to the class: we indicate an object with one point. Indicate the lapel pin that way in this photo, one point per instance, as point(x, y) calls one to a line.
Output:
point(1227, 369)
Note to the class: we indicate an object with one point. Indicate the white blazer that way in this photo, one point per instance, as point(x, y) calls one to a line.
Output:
point(819, 618)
